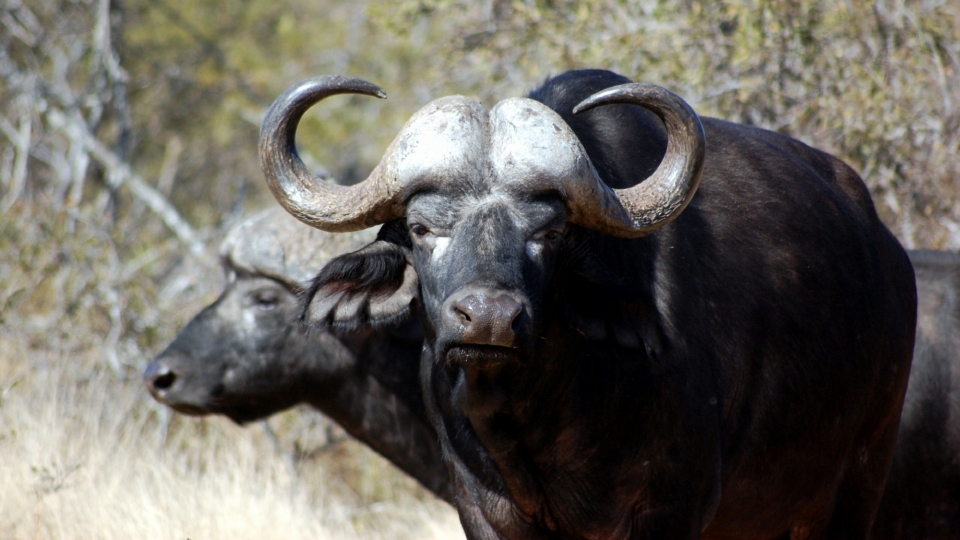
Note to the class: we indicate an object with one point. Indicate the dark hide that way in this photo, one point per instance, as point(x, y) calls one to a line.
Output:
point(738, 373)
point(922, 501)
point(244, 357)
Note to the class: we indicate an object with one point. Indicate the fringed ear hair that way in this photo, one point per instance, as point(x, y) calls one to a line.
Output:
point(374, 286)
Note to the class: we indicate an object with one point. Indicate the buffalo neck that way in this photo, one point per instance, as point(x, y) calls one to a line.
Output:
point(378, 401)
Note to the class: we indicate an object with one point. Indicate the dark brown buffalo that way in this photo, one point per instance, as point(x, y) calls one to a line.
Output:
point(244, 356)
point(922, 501)
point(611, 352)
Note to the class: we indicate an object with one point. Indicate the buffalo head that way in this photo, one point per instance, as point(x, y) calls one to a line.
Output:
point(477, 205)
point(242, 356)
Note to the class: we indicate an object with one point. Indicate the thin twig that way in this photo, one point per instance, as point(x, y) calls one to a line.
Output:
point(21, 142)
point(119, 173)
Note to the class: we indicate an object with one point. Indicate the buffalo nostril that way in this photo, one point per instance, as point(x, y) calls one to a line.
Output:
point(468, 308)
point(512, 311)
point(164, 381)
point(160, 376)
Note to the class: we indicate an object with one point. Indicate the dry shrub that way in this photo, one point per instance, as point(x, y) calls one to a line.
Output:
point(79, 458)
point(86, 453)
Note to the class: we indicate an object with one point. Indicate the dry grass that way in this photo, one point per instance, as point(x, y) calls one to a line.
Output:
point(85, 453)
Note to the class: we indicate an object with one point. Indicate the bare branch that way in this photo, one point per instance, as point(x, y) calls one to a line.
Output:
point(171, 160)
point(103, 44)
point(119, 172)
point(21, 143)
point(79, 161)
point(18, 29)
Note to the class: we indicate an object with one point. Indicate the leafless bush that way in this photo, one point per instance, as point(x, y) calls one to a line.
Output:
point(47, 54)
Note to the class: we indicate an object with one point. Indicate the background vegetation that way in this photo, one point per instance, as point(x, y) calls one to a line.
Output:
point(128, 145)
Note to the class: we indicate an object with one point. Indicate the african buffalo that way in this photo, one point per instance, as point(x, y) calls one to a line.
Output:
point(922, 500)
point(609, 351)
point(244, 357)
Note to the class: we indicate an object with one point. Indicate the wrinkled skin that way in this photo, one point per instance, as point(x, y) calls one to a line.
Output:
point(922, 500)
point(738, 373)
point(244, 357)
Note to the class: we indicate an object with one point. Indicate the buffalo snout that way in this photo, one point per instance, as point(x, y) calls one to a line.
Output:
point(169, 385)
point(486, 317)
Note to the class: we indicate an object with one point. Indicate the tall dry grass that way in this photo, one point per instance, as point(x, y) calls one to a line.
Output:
point(86, 453)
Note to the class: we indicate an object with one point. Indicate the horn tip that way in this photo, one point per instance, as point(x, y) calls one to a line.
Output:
point(593, 101)
point(604, 97)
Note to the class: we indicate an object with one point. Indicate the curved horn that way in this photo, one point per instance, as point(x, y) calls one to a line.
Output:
point(660, 198)
point(314, 201)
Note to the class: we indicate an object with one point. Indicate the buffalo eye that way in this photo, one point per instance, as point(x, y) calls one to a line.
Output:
point(418, 230)
point(549, 236)
point(266, 300)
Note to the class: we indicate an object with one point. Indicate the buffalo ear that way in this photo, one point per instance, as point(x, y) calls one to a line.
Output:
point(375, 286)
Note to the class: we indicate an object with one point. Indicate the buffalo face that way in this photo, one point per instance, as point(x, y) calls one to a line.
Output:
point(484, 261)
point(238, 357)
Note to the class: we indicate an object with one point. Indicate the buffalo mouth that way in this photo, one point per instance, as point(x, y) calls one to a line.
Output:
point(480, 356)
point(187, 408)
point(244, 415)
point(240, 414)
